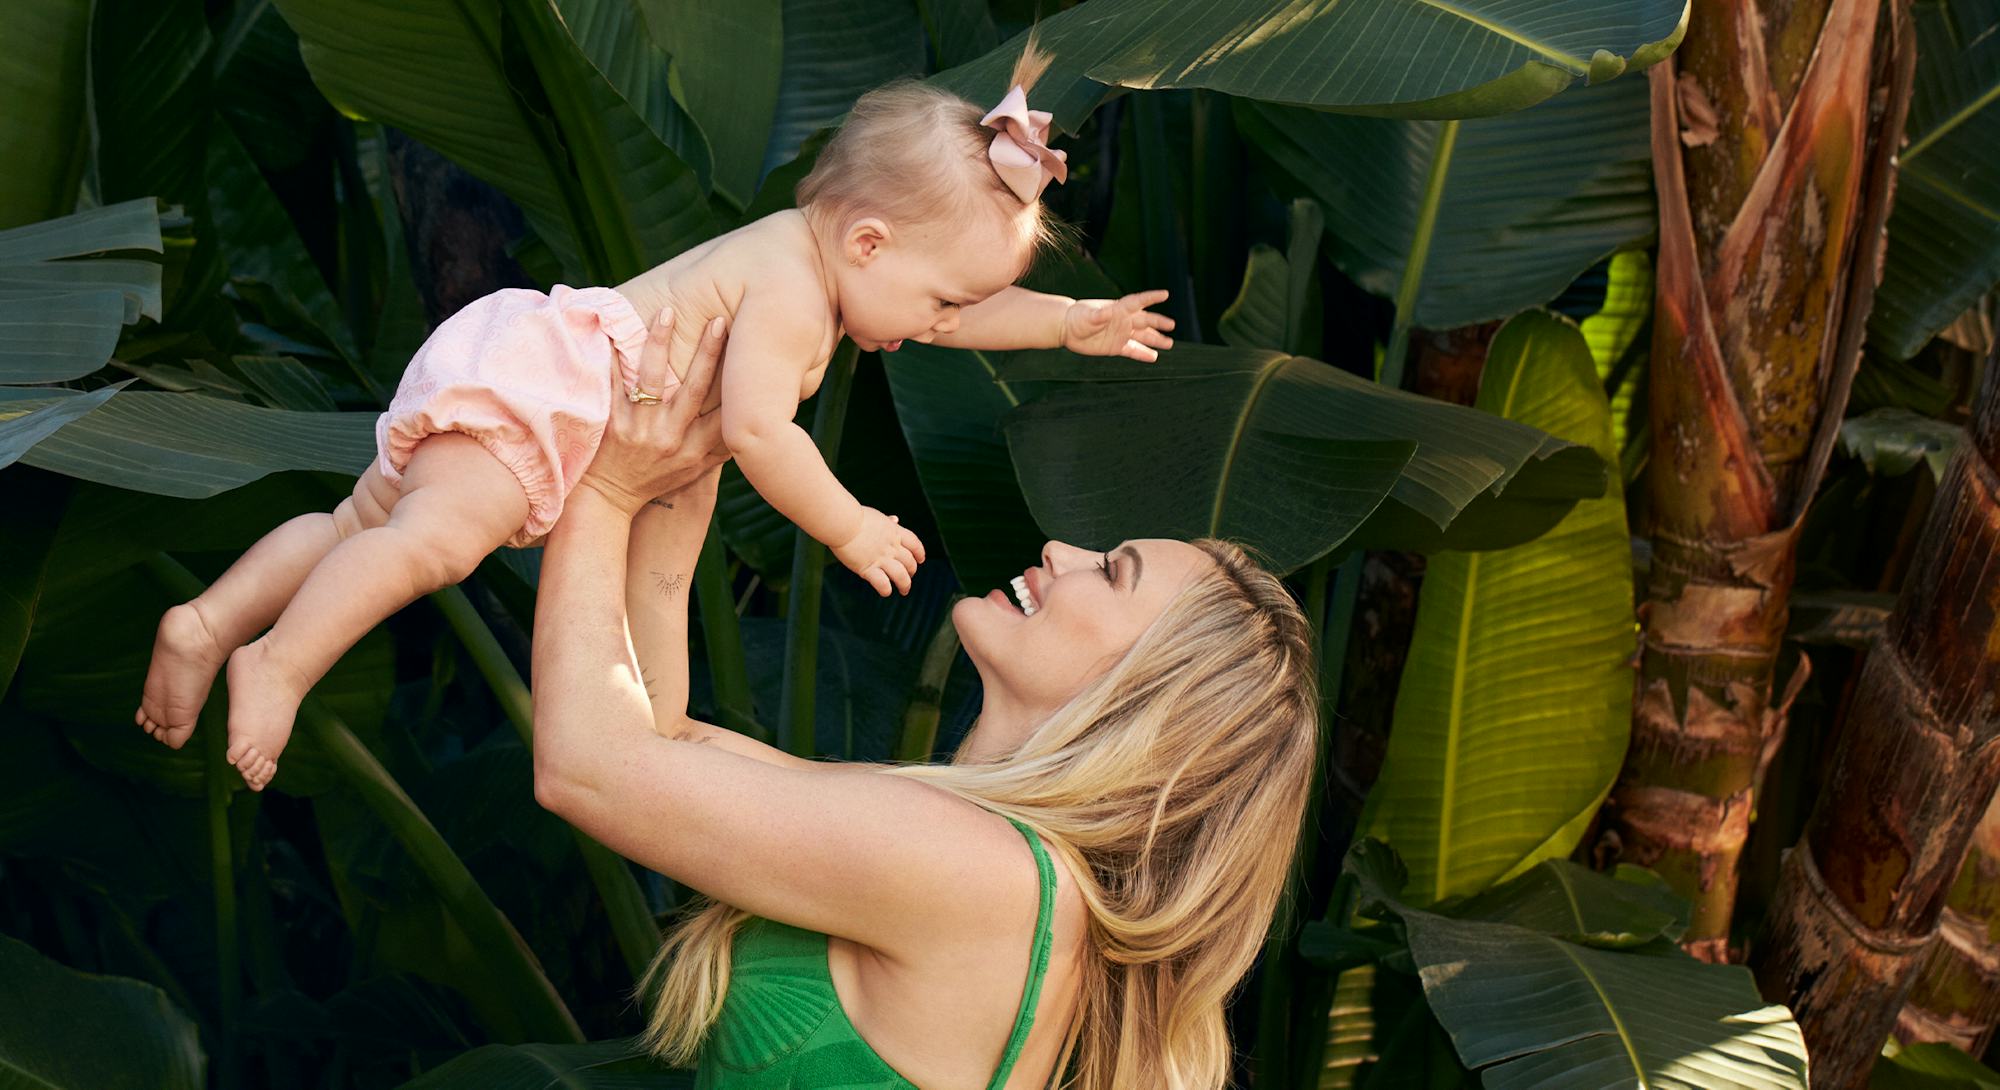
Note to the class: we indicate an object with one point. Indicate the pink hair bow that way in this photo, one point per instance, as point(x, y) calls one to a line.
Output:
point(1020, 151)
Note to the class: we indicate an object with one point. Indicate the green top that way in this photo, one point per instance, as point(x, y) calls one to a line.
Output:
point(782, 1027)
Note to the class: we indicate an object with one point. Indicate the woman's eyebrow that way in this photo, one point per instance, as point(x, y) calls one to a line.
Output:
point(1137, 563)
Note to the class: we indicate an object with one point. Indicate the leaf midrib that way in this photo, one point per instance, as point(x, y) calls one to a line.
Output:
point(1945, 129)
point(1574, 64)
point(1266, 373)
point(1610, 1011)
point(1455, 717)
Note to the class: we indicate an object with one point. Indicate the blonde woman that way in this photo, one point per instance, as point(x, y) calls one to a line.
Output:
point(1069, 901)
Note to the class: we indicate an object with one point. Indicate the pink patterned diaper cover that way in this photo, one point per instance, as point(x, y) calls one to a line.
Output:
point(526, 374)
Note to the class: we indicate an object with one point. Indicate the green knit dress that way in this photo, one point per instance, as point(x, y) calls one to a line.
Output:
point(782, 1027)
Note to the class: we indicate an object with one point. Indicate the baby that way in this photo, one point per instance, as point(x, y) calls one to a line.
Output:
point(913, 225)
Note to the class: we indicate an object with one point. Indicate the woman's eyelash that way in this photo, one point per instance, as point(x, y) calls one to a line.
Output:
point(1104, 565)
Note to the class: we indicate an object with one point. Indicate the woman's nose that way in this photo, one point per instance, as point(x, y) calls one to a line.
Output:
point(1059, 557)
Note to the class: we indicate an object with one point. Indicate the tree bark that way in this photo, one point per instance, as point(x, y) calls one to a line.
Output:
point(1771, 158)
point(1915, 766)
point(1955, 996)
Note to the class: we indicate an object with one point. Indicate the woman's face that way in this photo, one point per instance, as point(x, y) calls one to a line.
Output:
point(1088, 610)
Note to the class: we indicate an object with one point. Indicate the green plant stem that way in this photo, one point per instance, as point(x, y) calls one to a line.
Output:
point(484, 925)
point(222, 875)
point(727, 671)
point(632, 925)
point(795, 709)
point(920, 717)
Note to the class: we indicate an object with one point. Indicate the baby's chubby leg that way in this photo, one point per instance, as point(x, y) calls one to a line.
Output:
point(458, 504)
point(196, 637)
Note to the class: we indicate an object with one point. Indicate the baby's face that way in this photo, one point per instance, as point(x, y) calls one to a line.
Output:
point(912, 284)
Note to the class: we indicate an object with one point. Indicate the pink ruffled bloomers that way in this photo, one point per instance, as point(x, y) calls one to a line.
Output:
point(528, 376)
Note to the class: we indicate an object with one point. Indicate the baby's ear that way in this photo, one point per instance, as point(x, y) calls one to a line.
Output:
point(864, 239)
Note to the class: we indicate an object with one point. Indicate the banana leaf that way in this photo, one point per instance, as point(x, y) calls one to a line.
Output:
point(60, 317)
point(1288, 454)
point(43, 126)
point(503, 88)
point(834, 50)
point(1531, 1010)
point(1931, 1066)
point(1892, 441)
point(1944, 231)
point(1473, 58)
point(55, 1023)
point(1467, 221)
point(728, 59)
point(1515, 706)
point(189, 444)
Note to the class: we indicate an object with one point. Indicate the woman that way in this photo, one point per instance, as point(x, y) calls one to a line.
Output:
point(1078, 891)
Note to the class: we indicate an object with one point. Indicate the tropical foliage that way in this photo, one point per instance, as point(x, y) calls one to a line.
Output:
point(1413, 252)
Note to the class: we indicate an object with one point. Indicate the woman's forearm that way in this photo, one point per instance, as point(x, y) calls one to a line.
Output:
point(1011, 319)
point(589, 703)
point(665, 543)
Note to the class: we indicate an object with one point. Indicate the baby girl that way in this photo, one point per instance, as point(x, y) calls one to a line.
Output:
point(913, 225)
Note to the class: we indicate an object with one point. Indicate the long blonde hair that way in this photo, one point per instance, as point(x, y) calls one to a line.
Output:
point(1173, 786)
point(915, 153)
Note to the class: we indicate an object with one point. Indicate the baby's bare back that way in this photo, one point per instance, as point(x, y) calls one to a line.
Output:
point(711, 280)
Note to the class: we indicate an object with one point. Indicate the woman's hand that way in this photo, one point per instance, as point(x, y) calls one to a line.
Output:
point(1118, 327)
point(653, 448)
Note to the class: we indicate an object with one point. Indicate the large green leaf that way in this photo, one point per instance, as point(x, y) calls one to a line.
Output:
point(503, 88)
point(727, 60)
point(620, 43)
point(1515, 705)
point(1531, 1010)
point(1931, 1066)
point(600, 1065)
point(1944, 232)
point(60, 317)
point(834, 51)
point(1468, 58)
point(55, 1024)
point(1286, 453)
point(1466, 221)
point(1892, 441)
point(192, 445)
point(42, 127)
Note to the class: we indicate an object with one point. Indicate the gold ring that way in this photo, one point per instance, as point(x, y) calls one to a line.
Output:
point(637, 396)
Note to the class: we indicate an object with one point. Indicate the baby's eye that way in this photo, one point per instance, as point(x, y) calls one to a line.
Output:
point(946, 303)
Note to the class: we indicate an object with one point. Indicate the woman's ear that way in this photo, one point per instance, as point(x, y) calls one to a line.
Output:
point(864, 240)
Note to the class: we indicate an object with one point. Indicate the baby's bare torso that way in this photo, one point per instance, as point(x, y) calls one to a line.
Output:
point(712, 279)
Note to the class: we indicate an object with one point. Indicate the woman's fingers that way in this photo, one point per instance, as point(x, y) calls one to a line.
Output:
point(707, 361)
point(653, 358)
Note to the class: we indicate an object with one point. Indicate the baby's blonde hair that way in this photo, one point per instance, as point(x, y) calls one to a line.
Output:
point(1173, 786)
point(913, 153)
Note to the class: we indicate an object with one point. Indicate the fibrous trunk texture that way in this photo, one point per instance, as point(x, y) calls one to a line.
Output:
point(1955, 995)
point(1770, 159)
point(1914, 768)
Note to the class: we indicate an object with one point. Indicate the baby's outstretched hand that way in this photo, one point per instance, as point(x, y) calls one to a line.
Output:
point(1118, 327)
point(882, 552)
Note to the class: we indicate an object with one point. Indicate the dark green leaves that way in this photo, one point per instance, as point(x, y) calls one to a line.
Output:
point(59, 317)
point(1944, 232)
point(55, 1024)
point(1283, 452)
point(1539, 992)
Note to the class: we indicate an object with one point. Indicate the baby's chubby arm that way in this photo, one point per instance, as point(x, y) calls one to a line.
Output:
point(1016, 317)
point(770, 349)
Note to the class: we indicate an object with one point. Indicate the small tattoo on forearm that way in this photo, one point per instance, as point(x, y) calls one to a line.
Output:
point(646, 683)
point(668, 584)
point(658, 501)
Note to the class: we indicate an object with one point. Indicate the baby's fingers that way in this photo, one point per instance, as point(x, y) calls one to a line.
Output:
point(914, 544)
point(875, 577)
point(899, 574)
point(1143, 299)
point(1140, 352)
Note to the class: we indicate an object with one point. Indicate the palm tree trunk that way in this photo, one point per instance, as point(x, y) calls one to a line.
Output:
point(1915, 765)
point(1955, 997)
point(1771, 159)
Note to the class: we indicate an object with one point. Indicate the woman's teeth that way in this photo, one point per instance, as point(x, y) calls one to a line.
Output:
point(1027, 600)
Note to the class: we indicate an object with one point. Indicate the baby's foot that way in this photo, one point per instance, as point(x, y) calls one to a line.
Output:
point(186, 656)
point(264, 696)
